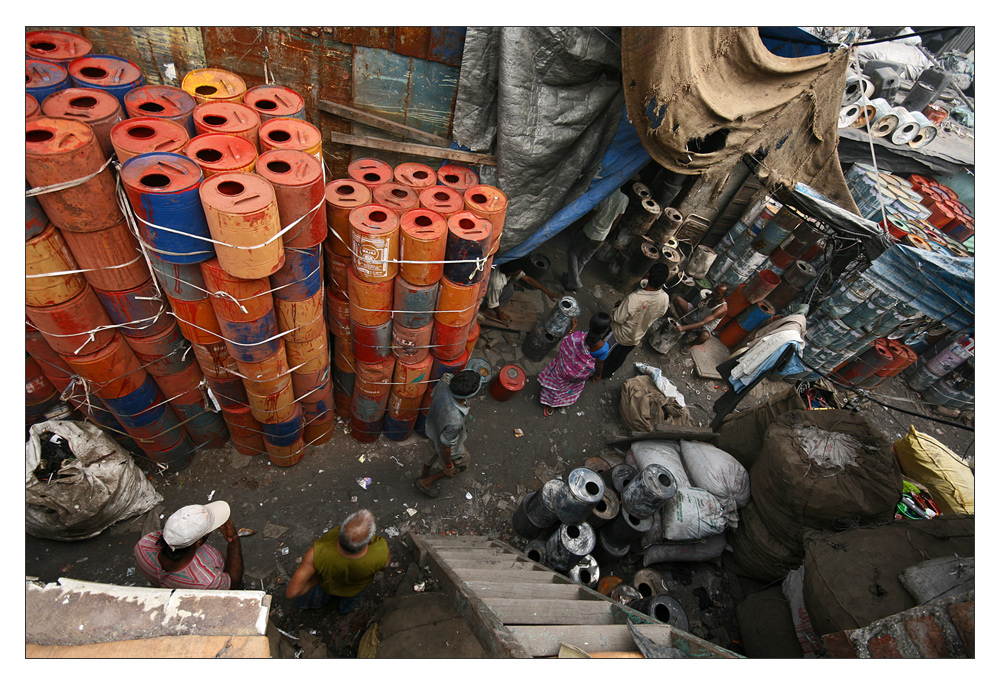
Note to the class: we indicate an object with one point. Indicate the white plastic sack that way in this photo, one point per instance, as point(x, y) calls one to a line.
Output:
point(661, 382)
point(719, 473)
point(804, 631)
point(692, 514)
point(667, 454)
point(100, 487)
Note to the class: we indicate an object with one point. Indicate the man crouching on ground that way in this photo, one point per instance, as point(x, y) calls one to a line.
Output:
point(341, 564)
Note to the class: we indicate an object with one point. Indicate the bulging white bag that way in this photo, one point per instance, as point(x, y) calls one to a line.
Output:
point(692, 514)
point(719, 473)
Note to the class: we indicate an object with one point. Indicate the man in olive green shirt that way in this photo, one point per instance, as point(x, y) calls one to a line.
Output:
point(341, 564)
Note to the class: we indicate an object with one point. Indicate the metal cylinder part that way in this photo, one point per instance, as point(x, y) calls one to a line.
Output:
point(647, 493)
point(561, 316)
point(586, 572)
point(663, 607)
point(624, 594)
point(535, 551)
point(650, 582)
point(583, 490)
point(621, 475)
point(568, 544)
point(605, 510)
point(624, 529)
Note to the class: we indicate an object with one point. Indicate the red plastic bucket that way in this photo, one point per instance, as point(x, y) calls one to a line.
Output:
point(508, 381)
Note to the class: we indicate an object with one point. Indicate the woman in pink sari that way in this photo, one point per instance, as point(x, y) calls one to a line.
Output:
point(564, 377)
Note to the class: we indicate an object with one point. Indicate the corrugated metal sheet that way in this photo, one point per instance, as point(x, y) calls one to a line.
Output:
point(965, 41)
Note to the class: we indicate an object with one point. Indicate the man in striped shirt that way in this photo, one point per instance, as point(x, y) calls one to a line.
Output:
point(179, 557)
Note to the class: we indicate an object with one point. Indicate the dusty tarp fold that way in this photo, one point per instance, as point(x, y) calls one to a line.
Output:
point(701, 98)
point(550, 100)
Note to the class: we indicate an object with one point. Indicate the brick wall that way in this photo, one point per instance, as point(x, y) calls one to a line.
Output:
point(940, 628)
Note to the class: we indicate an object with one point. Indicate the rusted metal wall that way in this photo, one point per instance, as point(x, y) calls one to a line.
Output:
point(406, 74)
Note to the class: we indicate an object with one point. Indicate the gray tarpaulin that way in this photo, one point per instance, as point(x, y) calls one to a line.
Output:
point(550, 99)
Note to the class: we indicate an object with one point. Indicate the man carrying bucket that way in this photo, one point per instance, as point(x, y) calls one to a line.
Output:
point(445, 427)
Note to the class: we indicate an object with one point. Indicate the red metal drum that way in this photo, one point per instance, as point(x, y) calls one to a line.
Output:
point(98, 109)
point(110, 73)
point(317, 400)
point(162, 102)
point(343, 355)
point(31, 106)
point(732, 334)
point(370, 304)
point(409, 379)
point(423, 236)
point(47, 254)
point(375, 243)
point(297, 178)
point(38, 390)
point(242, 214)
point(457, 177)
point(396, 196)
point(301, 320)
point(140, 311)
point(509, 380)
point(411, 345)
point(215, 360)
point(448, 342)
point(112, 371)
point(285, 456)
point(342, 197)
point(370, 171)
point(305, 386)
point(443, 200)
point(60, 150)
point(759, 286)
point(71, 328)
point(337, 270)
point(161, 354)
point(457, 305)
point(473, 337)
point(206, 85)
point(271, 102)
point(276, 407)
point(231, 393)
point(375, 379)
point(197, 320)
point(365, 432)
point(266, 376)
point(233, 118)
point(468, 248)
point(338, 315)
point(182, 388)
point(251, 298)
point(403, 407)
point(371, 344)
point(488, 203)
point(217, 153)
point(61, 47)
point(287, 133)
point(413, 306)
point(318, 431)
point(134, 137)
point(309, 356)
point(415, 175)
point(111, 257)
point(53, 366)
point(244, 430)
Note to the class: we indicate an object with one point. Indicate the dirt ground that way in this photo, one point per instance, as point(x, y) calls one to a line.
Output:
point(514, 450)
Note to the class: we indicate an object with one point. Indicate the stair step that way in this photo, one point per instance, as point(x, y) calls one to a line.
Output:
point(505, 589)
point(535, 611)
point(448, 542)
point(514, 575)
point(478, 554)
point(543, 641)
point(498, 565)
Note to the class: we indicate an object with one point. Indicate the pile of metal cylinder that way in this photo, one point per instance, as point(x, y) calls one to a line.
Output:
point(175, 264)
point(572, 524)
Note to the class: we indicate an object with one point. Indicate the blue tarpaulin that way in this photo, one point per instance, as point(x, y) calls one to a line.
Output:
point(623, 158)
point(791, 41)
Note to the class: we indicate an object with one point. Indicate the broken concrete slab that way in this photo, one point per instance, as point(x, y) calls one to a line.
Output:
point(73, 612)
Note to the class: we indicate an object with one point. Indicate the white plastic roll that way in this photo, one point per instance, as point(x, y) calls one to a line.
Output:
point(867, 86)
point(867, 114)
point(927, 133)
point(888, 122)
point(906, 129)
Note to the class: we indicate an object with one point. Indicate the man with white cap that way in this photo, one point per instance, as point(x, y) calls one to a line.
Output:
point(179, 557)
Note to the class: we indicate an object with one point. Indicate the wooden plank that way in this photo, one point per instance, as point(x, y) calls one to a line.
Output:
point(513, 611)
point(497, 566)
point(162, 647)
point(164, 54)
point(708, 356)
point(509, 589)
point(521, 313)
point(491, 553)
point(413, 149)
point(437, 542)
point(495, 638)
point(684, 433)
point(513, 575)
point(369, 119)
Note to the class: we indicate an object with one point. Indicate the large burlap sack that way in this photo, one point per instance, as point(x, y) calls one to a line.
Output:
point(766, 626)
point(852, 578)
point(947, 477)
point(666, 454)
point(692, 514)
point(87, 495)
point(827, 469)
point(719, 473)
point(643, 407)
point(756, 552)
point(742, 434)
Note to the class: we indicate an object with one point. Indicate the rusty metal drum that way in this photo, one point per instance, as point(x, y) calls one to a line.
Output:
point(78, 326)
point(287, 133)
point(162, 102)
point(457, 177)
point(98, 109)
point(111, 73)
point(489, 203)
point(297, 178)
point(217, 153)
point(47, 259)
point(396, 196)
point(270, 102)
point(242, 215)
point(375, 243)
point(342, 197)
point(370, 171)
point(443, 200)
point(370, 304)
point(140, 311)
point(423, 238)
point(42, 79)
point(206, 85)
point(233, 118)
point(112, 371)
point(415, 175)
point(249, 299)
point(61, 47)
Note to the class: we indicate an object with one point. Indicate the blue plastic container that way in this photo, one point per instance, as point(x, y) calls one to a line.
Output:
point(136, 409)
point(398, 429)
point(284, 434)
point(301, 276)
point(109, 73)
point(44, 78)
point(245, 340)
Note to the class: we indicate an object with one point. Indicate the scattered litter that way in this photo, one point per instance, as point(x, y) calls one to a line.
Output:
point(393, 564)
point(392, 532)
point(419, 588)
point(245, 532)
point(410, 511)
point(284, 551)
point(130, 571)
point(285, 633)
point(320, 471)
point(273, 530)
point(518, 433)
point(393, 458)
point(364, 482)
point(210, 495)
point(354, 498)
point(579, 414)
point(361, 459)
point(468, 496)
